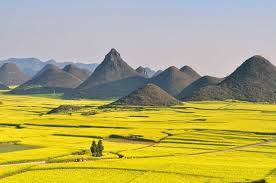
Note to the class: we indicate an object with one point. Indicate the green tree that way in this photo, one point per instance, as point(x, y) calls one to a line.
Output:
point(93, 148)
point(100, 148)
point(97, 148)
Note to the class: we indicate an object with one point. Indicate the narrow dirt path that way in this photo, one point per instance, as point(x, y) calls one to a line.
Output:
point(25, 163)
point(238, 148)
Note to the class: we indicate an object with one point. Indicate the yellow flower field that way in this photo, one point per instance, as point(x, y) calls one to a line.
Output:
point(227, 141)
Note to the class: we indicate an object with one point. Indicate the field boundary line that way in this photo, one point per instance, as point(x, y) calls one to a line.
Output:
point(238, 147)
point(121, 168)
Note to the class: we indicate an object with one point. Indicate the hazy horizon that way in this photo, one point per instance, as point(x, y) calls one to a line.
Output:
point(213, 37)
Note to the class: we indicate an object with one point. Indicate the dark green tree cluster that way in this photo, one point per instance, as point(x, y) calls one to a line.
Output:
point(97, 148)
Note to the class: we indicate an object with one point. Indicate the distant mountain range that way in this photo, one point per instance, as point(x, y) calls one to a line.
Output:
point(50, 79)
point(113, 78)
point(173, 80)
point(80, 73)
point(195, 86)
point(147, 72)
point(30, 66)
point(3, 87)
point(254, 80)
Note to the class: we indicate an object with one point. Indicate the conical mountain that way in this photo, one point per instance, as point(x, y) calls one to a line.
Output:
point(112, 68)
point(11, 75)
point(46, 67)
point(172, 80)
point(3, 87)
point(149, 95)
point(82, 74)
point(191, 72)
point(50, 79)
point(112, 78)
point(142, 71)
point(254, 80)
point(197, 85)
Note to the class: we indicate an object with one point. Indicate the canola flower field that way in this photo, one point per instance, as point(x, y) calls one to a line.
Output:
point(227, 141)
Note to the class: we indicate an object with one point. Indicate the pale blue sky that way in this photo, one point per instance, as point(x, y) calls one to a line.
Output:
point(212, 36)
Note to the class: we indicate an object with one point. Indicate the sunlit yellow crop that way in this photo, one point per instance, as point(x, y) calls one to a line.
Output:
point(195, 142)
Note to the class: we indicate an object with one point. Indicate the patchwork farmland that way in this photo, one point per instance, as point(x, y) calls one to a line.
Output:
point(226, 141)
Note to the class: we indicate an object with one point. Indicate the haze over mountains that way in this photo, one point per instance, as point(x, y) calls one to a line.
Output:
point(157, 73)
point(189, 71)
point(10, 74)
point(3, 87)
point(30, 66)
point(112, 78)
point(173, 80)
point(50, 79)
point(147, 72)
point(195, 86)
point(254, 80)
point(82, 74)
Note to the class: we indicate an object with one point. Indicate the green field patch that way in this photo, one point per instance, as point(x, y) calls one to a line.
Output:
point(137, 138)
point(11, 147)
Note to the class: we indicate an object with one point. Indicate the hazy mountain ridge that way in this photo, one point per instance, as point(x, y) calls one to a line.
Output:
point(112, 78)
point(146, 71)
point(173, 80)
point(10, 74)
point(197, 85)
point(254, 80)
point(30, 66)
point(80, 73)
point(3, 87)
point(50, 79)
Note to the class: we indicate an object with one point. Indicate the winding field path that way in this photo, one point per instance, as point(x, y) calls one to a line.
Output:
point(25, 163)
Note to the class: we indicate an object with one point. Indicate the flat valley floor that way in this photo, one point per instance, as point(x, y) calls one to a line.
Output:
point(227, 141)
